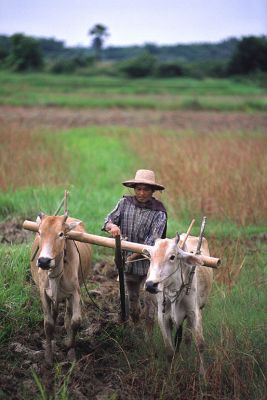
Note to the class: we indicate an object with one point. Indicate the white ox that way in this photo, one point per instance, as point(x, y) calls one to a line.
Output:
point(169, 277)
point(58, 268)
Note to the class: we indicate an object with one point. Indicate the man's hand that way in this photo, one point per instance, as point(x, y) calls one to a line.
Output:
point(113, 229)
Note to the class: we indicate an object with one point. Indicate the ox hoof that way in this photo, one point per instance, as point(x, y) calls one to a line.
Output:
point(68, 343)
point(71, 355)
point(170, 354)
point(49, 359)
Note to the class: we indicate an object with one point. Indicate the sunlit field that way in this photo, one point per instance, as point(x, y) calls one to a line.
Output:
point(109, 92)
point(212, 163)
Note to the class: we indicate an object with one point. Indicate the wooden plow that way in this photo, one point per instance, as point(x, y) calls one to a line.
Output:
point(207, 261)
point(120, 245)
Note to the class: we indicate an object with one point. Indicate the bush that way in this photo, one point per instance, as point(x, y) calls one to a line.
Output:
point(169, 70)
point(25, 53)
point(250, 56)
point(201, 70)
point(138, 67)
point(63, 66)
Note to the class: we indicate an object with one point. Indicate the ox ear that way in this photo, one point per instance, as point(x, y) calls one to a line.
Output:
point(72, 225)
point(39, 218)
point(189, 258)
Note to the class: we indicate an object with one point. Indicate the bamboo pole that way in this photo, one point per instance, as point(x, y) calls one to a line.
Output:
point(187, 234)
point(211, 262)
point(66, 202)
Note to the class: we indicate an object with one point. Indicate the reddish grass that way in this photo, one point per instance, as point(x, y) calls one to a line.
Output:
point(27, 159)
point(221, 176)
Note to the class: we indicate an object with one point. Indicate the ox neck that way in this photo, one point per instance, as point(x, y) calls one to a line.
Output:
point(57, 271)
point(54, 278)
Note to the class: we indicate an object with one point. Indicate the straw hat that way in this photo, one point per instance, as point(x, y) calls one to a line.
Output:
point(146, 177)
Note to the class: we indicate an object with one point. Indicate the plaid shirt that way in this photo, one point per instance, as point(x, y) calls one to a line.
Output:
point(139, 225)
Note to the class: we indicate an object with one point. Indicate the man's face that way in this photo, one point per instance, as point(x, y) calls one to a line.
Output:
point(143, 193)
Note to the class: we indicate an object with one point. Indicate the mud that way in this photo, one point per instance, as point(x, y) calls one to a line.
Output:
point(11, 232)
point(97, 371)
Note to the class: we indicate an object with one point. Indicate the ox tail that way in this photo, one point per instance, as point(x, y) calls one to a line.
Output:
point(178, 337)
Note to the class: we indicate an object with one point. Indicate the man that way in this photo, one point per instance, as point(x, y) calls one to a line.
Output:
point(141, 219)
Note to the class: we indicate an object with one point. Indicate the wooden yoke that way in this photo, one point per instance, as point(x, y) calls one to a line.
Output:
point(211, 262)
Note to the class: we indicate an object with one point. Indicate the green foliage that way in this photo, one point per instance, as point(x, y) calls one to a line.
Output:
point(185, 53)
point(250, 56)
point(25, 53)
point(139, 67)
point(229, 57)
point(51, 47)
point(63, 66)
point(4, 47)
point(169, 70)
point(70, 65)
point(209, 68)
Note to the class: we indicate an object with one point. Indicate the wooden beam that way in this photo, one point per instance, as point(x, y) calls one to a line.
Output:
point(110, 242)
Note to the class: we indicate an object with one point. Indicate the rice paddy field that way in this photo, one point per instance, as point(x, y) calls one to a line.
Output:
point(206, 140)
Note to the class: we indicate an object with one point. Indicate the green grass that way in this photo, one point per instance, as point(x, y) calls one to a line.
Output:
point(98, 162)
point(19, 308)
point(109, 92)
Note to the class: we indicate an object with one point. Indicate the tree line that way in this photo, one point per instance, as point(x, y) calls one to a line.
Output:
point(247, 55)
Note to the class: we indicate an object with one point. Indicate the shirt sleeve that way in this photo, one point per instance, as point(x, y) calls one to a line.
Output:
point(157, 228)
point(114, 216)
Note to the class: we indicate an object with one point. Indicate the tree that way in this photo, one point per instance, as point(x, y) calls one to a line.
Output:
point(250, 56)
point(25, 53)
point(4, 47)
point(99, 32)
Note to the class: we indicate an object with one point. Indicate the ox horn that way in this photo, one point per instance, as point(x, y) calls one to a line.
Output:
point(66, 214)
point(177, 239)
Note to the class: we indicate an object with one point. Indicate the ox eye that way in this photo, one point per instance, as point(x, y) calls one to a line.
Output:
point(61, 234)
point(172, 257)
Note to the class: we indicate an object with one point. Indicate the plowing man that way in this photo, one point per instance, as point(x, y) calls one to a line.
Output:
point(141, 219)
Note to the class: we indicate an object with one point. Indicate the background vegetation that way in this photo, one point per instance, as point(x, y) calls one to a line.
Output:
point(247, 55)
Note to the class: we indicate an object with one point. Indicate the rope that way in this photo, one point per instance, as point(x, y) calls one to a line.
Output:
point(84, 283)
point(178, 292)
point(137, 259)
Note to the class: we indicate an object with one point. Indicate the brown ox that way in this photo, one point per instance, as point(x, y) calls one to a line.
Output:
point(169, 277)
point(58, 268)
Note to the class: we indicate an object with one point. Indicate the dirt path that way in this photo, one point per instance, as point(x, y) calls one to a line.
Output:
point(200, 121)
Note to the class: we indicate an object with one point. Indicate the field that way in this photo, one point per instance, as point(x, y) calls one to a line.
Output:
point(207, 142)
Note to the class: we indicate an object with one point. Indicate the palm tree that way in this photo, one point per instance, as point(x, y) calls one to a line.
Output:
point(99, 32)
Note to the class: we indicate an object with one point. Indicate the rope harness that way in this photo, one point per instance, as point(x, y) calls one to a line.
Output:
point(177, 293)
point(84, 283)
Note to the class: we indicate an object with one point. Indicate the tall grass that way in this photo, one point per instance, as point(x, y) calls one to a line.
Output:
point(28, 159)
point(222, 176)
